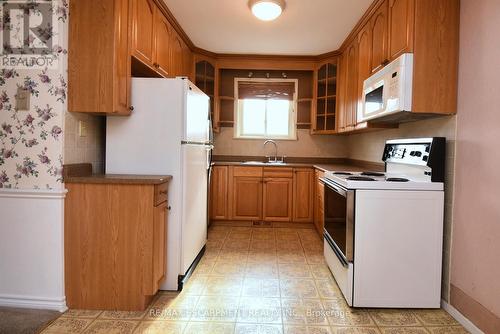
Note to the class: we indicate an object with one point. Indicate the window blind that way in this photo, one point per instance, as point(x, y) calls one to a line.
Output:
point(266, 90)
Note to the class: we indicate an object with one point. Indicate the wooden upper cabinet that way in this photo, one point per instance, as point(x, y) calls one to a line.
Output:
point(364, 60)
point(176, 53)
point(277, 199)
point(303, 195)
point(99, 58)
point(401, 22)
point(206, 79)
point(247, 198)
point(380, 37)
point(325, 116)
point(163, 59)
point(351, 105)
point(143, 36)
point(342, 91)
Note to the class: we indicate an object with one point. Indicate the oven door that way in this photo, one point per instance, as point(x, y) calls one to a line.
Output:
point(339, 221)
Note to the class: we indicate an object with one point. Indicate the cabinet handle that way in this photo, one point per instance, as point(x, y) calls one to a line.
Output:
point(131, 108)
point(169, 208)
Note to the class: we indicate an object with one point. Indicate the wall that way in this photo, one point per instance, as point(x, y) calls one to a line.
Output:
point(369, 147)
point(32, 141)
point(475, 270)
point(31, 189)
point(306, 145)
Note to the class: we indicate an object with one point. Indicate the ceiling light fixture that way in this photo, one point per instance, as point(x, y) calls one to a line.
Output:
point(267, 10)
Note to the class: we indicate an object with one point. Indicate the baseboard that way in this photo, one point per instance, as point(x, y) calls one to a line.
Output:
point(460, 318)
point(33, 302)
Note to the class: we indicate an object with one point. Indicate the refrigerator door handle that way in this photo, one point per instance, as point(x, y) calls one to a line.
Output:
point(197, 143)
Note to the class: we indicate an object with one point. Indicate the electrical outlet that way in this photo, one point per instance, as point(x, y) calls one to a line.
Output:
point(23, 99)
point(82, 128)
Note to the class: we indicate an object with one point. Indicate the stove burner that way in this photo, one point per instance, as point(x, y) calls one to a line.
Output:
point(372, 174)
point(397, 179)
point(360, 178)
point(342, 173)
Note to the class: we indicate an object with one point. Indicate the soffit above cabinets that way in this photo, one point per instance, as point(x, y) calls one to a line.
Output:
point(306, 27)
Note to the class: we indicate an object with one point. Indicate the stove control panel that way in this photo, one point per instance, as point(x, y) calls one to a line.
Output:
point(428, 153)
point(413, 154)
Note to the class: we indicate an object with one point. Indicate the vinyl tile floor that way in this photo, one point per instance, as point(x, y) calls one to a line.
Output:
point(261, 281)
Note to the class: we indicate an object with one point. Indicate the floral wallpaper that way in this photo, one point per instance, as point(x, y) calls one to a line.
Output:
point(31, 152)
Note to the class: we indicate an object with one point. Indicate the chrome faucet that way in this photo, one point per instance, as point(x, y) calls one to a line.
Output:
point(275, 150)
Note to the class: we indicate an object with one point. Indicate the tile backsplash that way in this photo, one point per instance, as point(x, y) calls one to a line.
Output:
point(91, 147)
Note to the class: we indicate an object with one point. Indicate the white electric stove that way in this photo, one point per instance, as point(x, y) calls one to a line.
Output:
point(384, 231)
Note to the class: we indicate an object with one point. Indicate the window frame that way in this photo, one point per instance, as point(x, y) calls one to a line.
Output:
point(238, 111)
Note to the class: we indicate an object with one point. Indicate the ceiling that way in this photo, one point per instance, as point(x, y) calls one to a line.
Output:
point(306, 27)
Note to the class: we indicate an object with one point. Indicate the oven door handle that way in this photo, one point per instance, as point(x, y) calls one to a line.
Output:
point(337, 189)
point(335, 249)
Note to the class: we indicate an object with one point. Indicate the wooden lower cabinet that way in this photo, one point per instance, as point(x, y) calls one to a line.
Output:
point(219, 193)
point(277, 199)
point(319, 202)
point(272, 194)
point(303, 195)
point(247, 198)
point(114, 245)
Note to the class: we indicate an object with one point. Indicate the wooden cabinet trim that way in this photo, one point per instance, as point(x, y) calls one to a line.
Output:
point(247, 171)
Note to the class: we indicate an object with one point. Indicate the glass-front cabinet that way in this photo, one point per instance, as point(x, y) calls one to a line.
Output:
point(325, 111)
point(205, 80)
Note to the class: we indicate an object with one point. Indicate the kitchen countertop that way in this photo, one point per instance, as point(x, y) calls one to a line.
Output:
point(119, 179)
point(322, 167)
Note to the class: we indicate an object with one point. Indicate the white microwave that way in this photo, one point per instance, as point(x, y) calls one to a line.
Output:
point(388, 91)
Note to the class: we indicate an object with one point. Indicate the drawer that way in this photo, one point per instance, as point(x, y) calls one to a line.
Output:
point(248, 171)
point(161, 193)
point(278, 172)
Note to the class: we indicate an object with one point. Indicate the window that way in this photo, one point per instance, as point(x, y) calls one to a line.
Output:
point(265, 109)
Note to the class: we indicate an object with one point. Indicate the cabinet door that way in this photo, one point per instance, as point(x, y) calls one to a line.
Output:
point(342, 94)
point(277, 199)
point(176, 55)
point(303, 195)
point(219, 193)
point(320, 188)
point(163, 39)
point(380, 37)
point(351, 85)
point(318, 202)
point(159, 245)
point(401, 20)
point(143, 30)
point(121, 89)
point(364, 60)
point(247, 198)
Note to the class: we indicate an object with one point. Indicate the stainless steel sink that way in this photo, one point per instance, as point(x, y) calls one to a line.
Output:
point(264, 163)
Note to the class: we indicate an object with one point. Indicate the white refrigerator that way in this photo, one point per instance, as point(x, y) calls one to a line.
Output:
point(168, 133)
